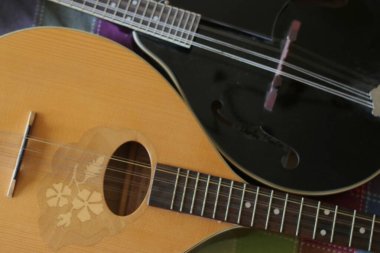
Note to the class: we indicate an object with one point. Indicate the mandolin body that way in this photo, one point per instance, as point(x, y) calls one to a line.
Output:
point(335, 140)
point(90, 95)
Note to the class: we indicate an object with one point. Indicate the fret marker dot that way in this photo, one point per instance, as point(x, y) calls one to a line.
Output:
point(276, 211)
point(128, 18)
point(326, 212)
point(247, 204)
point(155, 18)
point(323, 232)
point(134, 2)
point(362, 230)
point(113, 4)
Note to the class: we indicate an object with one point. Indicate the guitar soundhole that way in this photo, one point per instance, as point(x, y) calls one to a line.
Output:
point(127, 178)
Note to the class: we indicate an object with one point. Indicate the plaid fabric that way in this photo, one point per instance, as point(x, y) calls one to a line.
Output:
point(18, 14)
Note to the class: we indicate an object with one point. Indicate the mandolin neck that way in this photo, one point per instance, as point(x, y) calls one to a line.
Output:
point(224, 200)
point(162, 21)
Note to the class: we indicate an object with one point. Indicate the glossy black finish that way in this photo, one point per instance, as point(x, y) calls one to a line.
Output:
point(337, 141)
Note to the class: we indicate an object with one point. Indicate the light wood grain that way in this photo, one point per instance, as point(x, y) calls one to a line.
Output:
point(76, 82)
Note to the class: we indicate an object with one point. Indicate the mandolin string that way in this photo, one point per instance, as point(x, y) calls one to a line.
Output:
point(267, 68)
point(333, 82)
point(203, 189)
point(249, 62)
point(119, 159)
point(305, 214)
point(263, 213)
point(214, 182)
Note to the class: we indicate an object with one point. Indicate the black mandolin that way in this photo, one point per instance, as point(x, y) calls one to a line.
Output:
point(285, 89)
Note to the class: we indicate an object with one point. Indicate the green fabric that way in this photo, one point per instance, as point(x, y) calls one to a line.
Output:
point(244, 241)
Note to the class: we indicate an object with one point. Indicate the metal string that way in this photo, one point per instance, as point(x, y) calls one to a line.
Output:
point(163, 169)
point(349, 89)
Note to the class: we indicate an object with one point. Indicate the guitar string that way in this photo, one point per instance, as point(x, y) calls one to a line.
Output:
point(163, 169)
point(258, 65)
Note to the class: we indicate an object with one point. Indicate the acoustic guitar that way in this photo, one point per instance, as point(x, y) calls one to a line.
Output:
point(99, 154)
point(284, 88)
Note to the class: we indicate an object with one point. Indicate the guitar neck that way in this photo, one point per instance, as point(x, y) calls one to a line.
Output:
point(224, 200)
point(162, 21)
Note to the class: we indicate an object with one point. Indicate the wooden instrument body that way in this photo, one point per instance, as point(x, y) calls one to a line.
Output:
point(78, 84)
point(332, 137)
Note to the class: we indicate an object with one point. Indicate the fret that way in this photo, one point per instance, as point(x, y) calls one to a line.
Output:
point(184, 190)
point(164, 25)
point(158, 20)
point(144, 12)
point(106, 6)
point(171, 25)
point(126, 11)
point(284, 212)
point(316, 220)
point(255, 206)
point(164, 22)
point(153, 14)
point(299, 216)
point(192, 22)
point(205, 195)
point(162, 188)
point(361, 231)
point(269, 209)
point(117, 7)
point(195, 193)
point(241, 203)
point(352, 228)
point(100, 7)
point(96, 4)
point(229, 200)
point(83, 3)
point(217, 197)
point(179, 23)
point(371, 233)
point(344, 229)
point(185, 22)
point(86, 5)
point(333, 225)
point(137, 4)
point(175, 188)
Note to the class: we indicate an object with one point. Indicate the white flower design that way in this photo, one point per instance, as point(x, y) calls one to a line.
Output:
point(87, 201)
point(57, 195)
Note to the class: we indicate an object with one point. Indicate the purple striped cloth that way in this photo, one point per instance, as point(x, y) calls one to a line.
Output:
point(18, 14)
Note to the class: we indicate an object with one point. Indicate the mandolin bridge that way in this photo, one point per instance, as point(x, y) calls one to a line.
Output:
point(271, 95)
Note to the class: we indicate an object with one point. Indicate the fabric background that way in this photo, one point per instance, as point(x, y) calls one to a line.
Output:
point(19, 14)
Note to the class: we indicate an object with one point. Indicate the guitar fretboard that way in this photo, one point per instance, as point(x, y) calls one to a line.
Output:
point(159, 20)
point(221, 199)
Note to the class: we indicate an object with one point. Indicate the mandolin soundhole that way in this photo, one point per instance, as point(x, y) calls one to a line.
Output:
point(127, 178)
